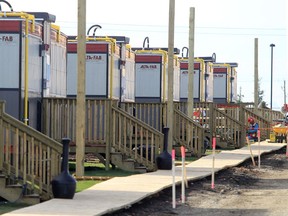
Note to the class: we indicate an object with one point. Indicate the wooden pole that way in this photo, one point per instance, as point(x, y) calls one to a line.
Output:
point(256, 79)
point(80, 110)
point(191, 63)
point(251, 153)
point(170, 107)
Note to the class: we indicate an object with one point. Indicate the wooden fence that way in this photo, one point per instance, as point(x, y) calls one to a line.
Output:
point(59, 119)
point(105, 125)
point(187, 131)
point(229, 122)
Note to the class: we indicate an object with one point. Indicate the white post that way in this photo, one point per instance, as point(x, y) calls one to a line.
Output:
point(173, 180)
point(183, 173)
point(213, 163)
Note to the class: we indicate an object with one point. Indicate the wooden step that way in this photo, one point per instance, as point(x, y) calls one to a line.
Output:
point(126, 164)
point(16, 192)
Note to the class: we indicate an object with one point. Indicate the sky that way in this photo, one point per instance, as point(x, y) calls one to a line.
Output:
point(225, 27)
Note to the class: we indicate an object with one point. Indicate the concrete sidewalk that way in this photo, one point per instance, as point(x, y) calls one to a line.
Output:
point(121, 192)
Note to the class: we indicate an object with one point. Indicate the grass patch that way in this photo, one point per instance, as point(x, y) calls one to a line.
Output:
point(85, 184)
point(210, 151)
point(98, 169)
point(6, 207)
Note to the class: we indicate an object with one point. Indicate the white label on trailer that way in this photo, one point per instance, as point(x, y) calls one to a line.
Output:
point(220, 85)
point(148, 80)
point(96, 74)
point(184, 83)
point(9, 60)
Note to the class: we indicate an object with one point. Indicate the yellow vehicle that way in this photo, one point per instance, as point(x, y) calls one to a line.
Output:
point(279, 133)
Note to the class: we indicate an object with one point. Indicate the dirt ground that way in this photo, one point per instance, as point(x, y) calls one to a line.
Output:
point(242, 190)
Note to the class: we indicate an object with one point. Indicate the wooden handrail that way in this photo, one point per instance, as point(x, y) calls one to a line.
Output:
point(188, 133)
point(27, 155)
point(135, 138)
point(228, 128)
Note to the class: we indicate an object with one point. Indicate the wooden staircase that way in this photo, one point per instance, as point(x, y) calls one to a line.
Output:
point(126, 163)
point(134, 144)
point(29, 160)
point(13, 192)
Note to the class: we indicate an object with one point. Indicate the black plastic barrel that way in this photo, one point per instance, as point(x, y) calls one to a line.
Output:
point(64, 185)
point(164, 160)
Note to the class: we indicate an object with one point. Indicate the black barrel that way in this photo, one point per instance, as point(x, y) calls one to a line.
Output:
point(164, 160)
point(64, 185)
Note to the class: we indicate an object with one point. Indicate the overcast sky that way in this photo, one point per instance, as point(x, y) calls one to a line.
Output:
point(226, 27)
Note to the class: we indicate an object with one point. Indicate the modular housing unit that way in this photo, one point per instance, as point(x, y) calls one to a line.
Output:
point(225, 82)
point(202, 80)
point(151, 69)
point(32, 59)
point(110, 71)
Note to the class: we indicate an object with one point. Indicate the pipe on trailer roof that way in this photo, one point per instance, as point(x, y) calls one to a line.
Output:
point(9, 5)
point(146, 39)
point(187, 49)
point(96, 26)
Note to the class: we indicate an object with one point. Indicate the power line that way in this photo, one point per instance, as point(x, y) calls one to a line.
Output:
point(177, 26)
point(186, 32)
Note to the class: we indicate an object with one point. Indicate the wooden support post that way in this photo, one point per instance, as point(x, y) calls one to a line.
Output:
point(212, 122)
point(108, 131)
point(80, 110)
point(191, 63)
point(170, 107)
point(243, 127)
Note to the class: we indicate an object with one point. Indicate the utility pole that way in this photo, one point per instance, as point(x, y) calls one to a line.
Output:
point(191, 63)
point(170, 106)
point(284, 88)
point(81, 77)
point(240, 95)
point(256, 81)
point(271, 94)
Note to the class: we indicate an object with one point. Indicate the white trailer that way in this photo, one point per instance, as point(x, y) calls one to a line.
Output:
point(202, 80)
point(32, 60)
point(225, 82)
point(110, 69)
point(152, 76)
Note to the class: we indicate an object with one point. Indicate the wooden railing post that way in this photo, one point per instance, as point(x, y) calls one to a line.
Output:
point(243, 129)
point(2, 109)
point(108, 131)
point(211, 121)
